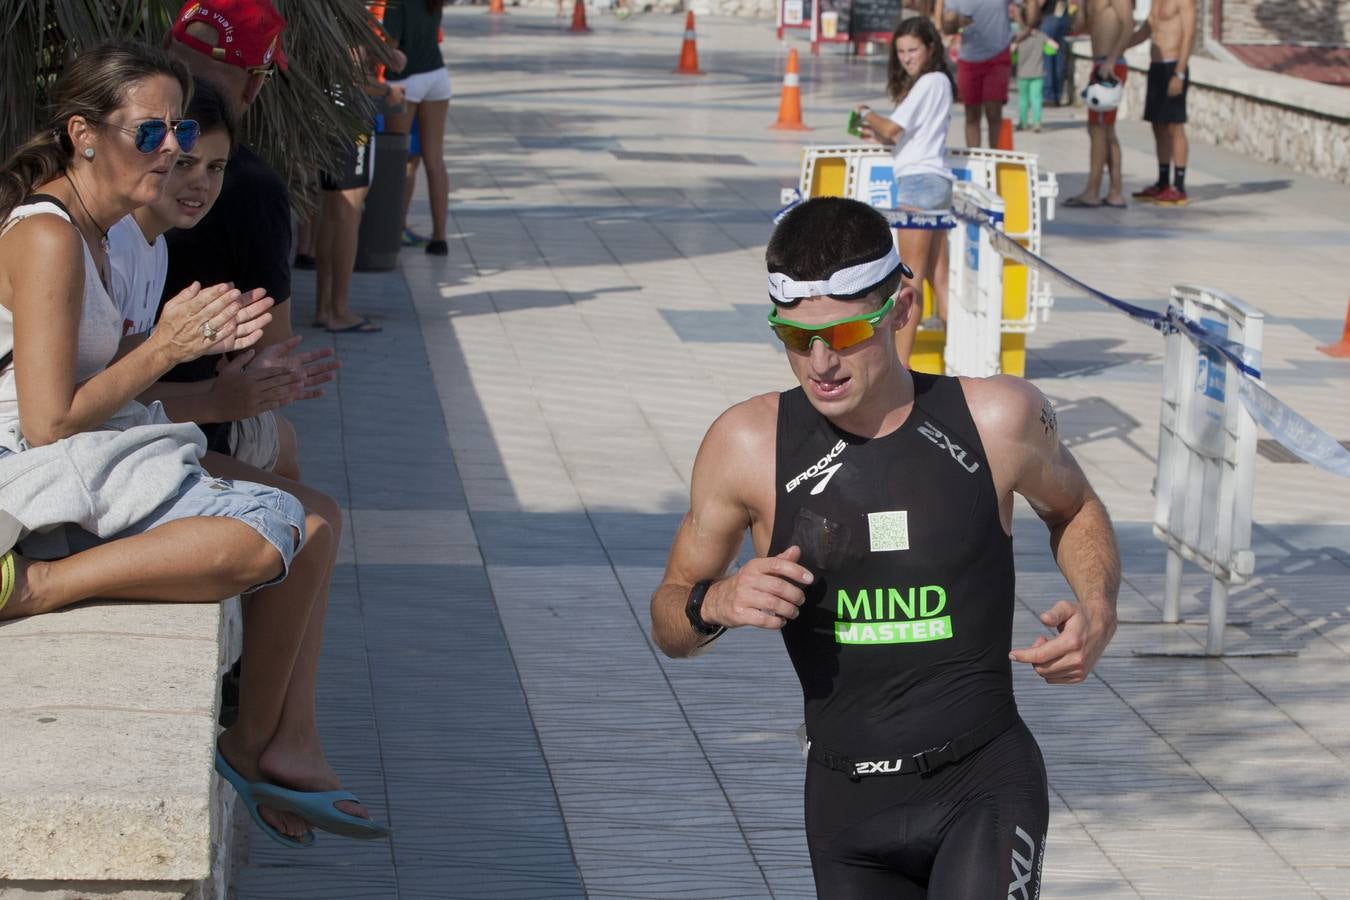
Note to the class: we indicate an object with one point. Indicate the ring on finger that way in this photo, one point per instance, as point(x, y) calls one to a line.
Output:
point(209, 331)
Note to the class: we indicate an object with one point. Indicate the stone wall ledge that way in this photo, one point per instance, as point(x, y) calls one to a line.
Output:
point(107, 731)
point(1287, 121)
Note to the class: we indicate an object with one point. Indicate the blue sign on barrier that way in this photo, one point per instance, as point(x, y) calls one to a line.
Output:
point(1210, 379)
point(879, 179)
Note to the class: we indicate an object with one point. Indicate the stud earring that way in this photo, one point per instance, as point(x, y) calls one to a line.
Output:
point(88, 152)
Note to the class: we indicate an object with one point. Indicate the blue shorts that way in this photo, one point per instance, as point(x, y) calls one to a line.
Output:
point(273, 513)
point(923, 192)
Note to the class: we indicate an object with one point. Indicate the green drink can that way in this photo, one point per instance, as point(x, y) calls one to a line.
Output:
point(854, 123)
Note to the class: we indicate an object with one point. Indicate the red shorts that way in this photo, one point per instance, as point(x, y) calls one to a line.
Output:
point(1108, 117)
point(985, 81)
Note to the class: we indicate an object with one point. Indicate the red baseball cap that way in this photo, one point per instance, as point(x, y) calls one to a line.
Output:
point(249, 31)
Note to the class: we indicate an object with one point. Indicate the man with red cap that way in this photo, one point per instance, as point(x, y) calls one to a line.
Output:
point(235, 45)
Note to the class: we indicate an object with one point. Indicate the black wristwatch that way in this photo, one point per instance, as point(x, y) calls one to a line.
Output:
point(693, 608)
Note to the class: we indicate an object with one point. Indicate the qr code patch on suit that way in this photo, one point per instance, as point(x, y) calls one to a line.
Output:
point(888, 530)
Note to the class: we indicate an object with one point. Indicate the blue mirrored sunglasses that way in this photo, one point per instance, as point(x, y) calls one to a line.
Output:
point(151, 133)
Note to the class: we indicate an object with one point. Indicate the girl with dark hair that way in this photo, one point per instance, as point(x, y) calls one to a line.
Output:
point(922, 87)
point(249, 387)
point(105, 496)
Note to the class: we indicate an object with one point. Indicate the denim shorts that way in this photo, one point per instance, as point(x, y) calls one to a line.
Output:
point(273, 513)
point(923, 192)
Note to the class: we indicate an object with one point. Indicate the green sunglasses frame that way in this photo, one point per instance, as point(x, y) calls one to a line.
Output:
point(871, 318)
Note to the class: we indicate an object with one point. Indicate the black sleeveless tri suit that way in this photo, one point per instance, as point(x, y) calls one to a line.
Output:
point(902, 647)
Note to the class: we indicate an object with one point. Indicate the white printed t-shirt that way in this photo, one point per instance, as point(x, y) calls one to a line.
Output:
point(924, 117)
point(138, 273)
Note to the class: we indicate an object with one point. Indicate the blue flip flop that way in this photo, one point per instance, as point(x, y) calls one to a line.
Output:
point(246, 793)
point(318, 809)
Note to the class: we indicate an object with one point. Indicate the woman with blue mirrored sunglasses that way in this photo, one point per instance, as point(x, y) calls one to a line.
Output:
point(151, 133)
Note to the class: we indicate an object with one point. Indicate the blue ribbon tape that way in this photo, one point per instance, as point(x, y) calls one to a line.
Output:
point(1301, 437)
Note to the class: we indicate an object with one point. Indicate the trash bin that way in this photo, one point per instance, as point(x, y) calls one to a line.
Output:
point(381, 232)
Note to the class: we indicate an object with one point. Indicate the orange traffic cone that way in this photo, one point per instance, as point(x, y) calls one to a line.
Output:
point(790, 104)
point(496, 7)
point(1341, 348)
point(579, 18)
point(1005, 131)
point(689, 49)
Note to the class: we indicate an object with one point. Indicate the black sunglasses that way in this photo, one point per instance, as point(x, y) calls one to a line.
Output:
point(151, 133)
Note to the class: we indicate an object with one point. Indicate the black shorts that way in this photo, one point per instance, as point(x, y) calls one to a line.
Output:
point(1159, 108)
point(357, 159)
point(970, 830)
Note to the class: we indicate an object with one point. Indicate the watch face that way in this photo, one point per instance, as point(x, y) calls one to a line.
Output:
point(693, 608)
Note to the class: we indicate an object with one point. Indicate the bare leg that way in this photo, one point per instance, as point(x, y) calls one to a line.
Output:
point(409, 185)
point(993, 114)
point(276, 620)
point(402, 123)
point(324, 238)
point(341, 227)
point(202, 559)
point(1162, 142)
point(973, 113)
point(431, 127)
point(291, 754)
point(914, 244)
point(1114, 193)
point(1097, 149)
point(1180, 147)
point(938, 275)
point(304, 237)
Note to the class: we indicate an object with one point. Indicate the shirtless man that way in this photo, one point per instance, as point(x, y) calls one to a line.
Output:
point(880, 504)
point(1171, 25)
point(1109, 23)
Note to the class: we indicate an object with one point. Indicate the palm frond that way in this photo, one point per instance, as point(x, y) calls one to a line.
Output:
point(292, 124)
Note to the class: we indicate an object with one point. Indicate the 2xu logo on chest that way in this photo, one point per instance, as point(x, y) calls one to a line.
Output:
point(930, 431)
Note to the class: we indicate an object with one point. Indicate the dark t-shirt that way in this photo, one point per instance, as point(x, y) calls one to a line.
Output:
point(245, 238)
point(414, 30)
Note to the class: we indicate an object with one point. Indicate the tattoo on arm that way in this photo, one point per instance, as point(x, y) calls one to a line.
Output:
point(1048, 421)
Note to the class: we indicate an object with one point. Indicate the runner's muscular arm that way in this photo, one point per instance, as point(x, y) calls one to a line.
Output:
point(1024, 438)
point(721, 508)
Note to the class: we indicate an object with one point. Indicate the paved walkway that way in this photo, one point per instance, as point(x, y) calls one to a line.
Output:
point(514, 450)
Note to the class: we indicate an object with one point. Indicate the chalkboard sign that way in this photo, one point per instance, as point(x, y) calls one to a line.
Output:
point(874, 17)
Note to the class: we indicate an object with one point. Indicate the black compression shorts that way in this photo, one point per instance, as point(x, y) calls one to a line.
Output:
point(971, 830)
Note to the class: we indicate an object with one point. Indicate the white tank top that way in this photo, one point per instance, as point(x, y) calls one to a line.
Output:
point(100, 321)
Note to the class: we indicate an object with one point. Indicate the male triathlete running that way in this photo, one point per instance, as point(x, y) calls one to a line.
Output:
point(880, 506)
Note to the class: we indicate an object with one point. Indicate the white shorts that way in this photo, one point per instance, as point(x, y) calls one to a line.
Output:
point(426, 87)
point(254, 440)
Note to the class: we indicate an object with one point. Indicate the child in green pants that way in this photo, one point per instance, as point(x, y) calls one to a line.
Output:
point(1029, 45)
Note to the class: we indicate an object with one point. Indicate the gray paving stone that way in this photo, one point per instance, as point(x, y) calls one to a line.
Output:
point(488, 680)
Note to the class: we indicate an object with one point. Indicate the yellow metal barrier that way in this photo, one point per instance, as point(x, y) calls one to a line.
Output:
point(836, 171)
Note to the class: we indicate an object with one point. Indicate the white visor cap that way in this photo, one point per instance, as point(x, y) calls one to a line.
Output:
point(846, 283)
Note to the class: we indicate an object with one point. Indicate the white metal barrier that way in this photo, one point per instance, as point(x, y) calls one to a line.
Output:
point(1207, 455)
point(974, 289)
